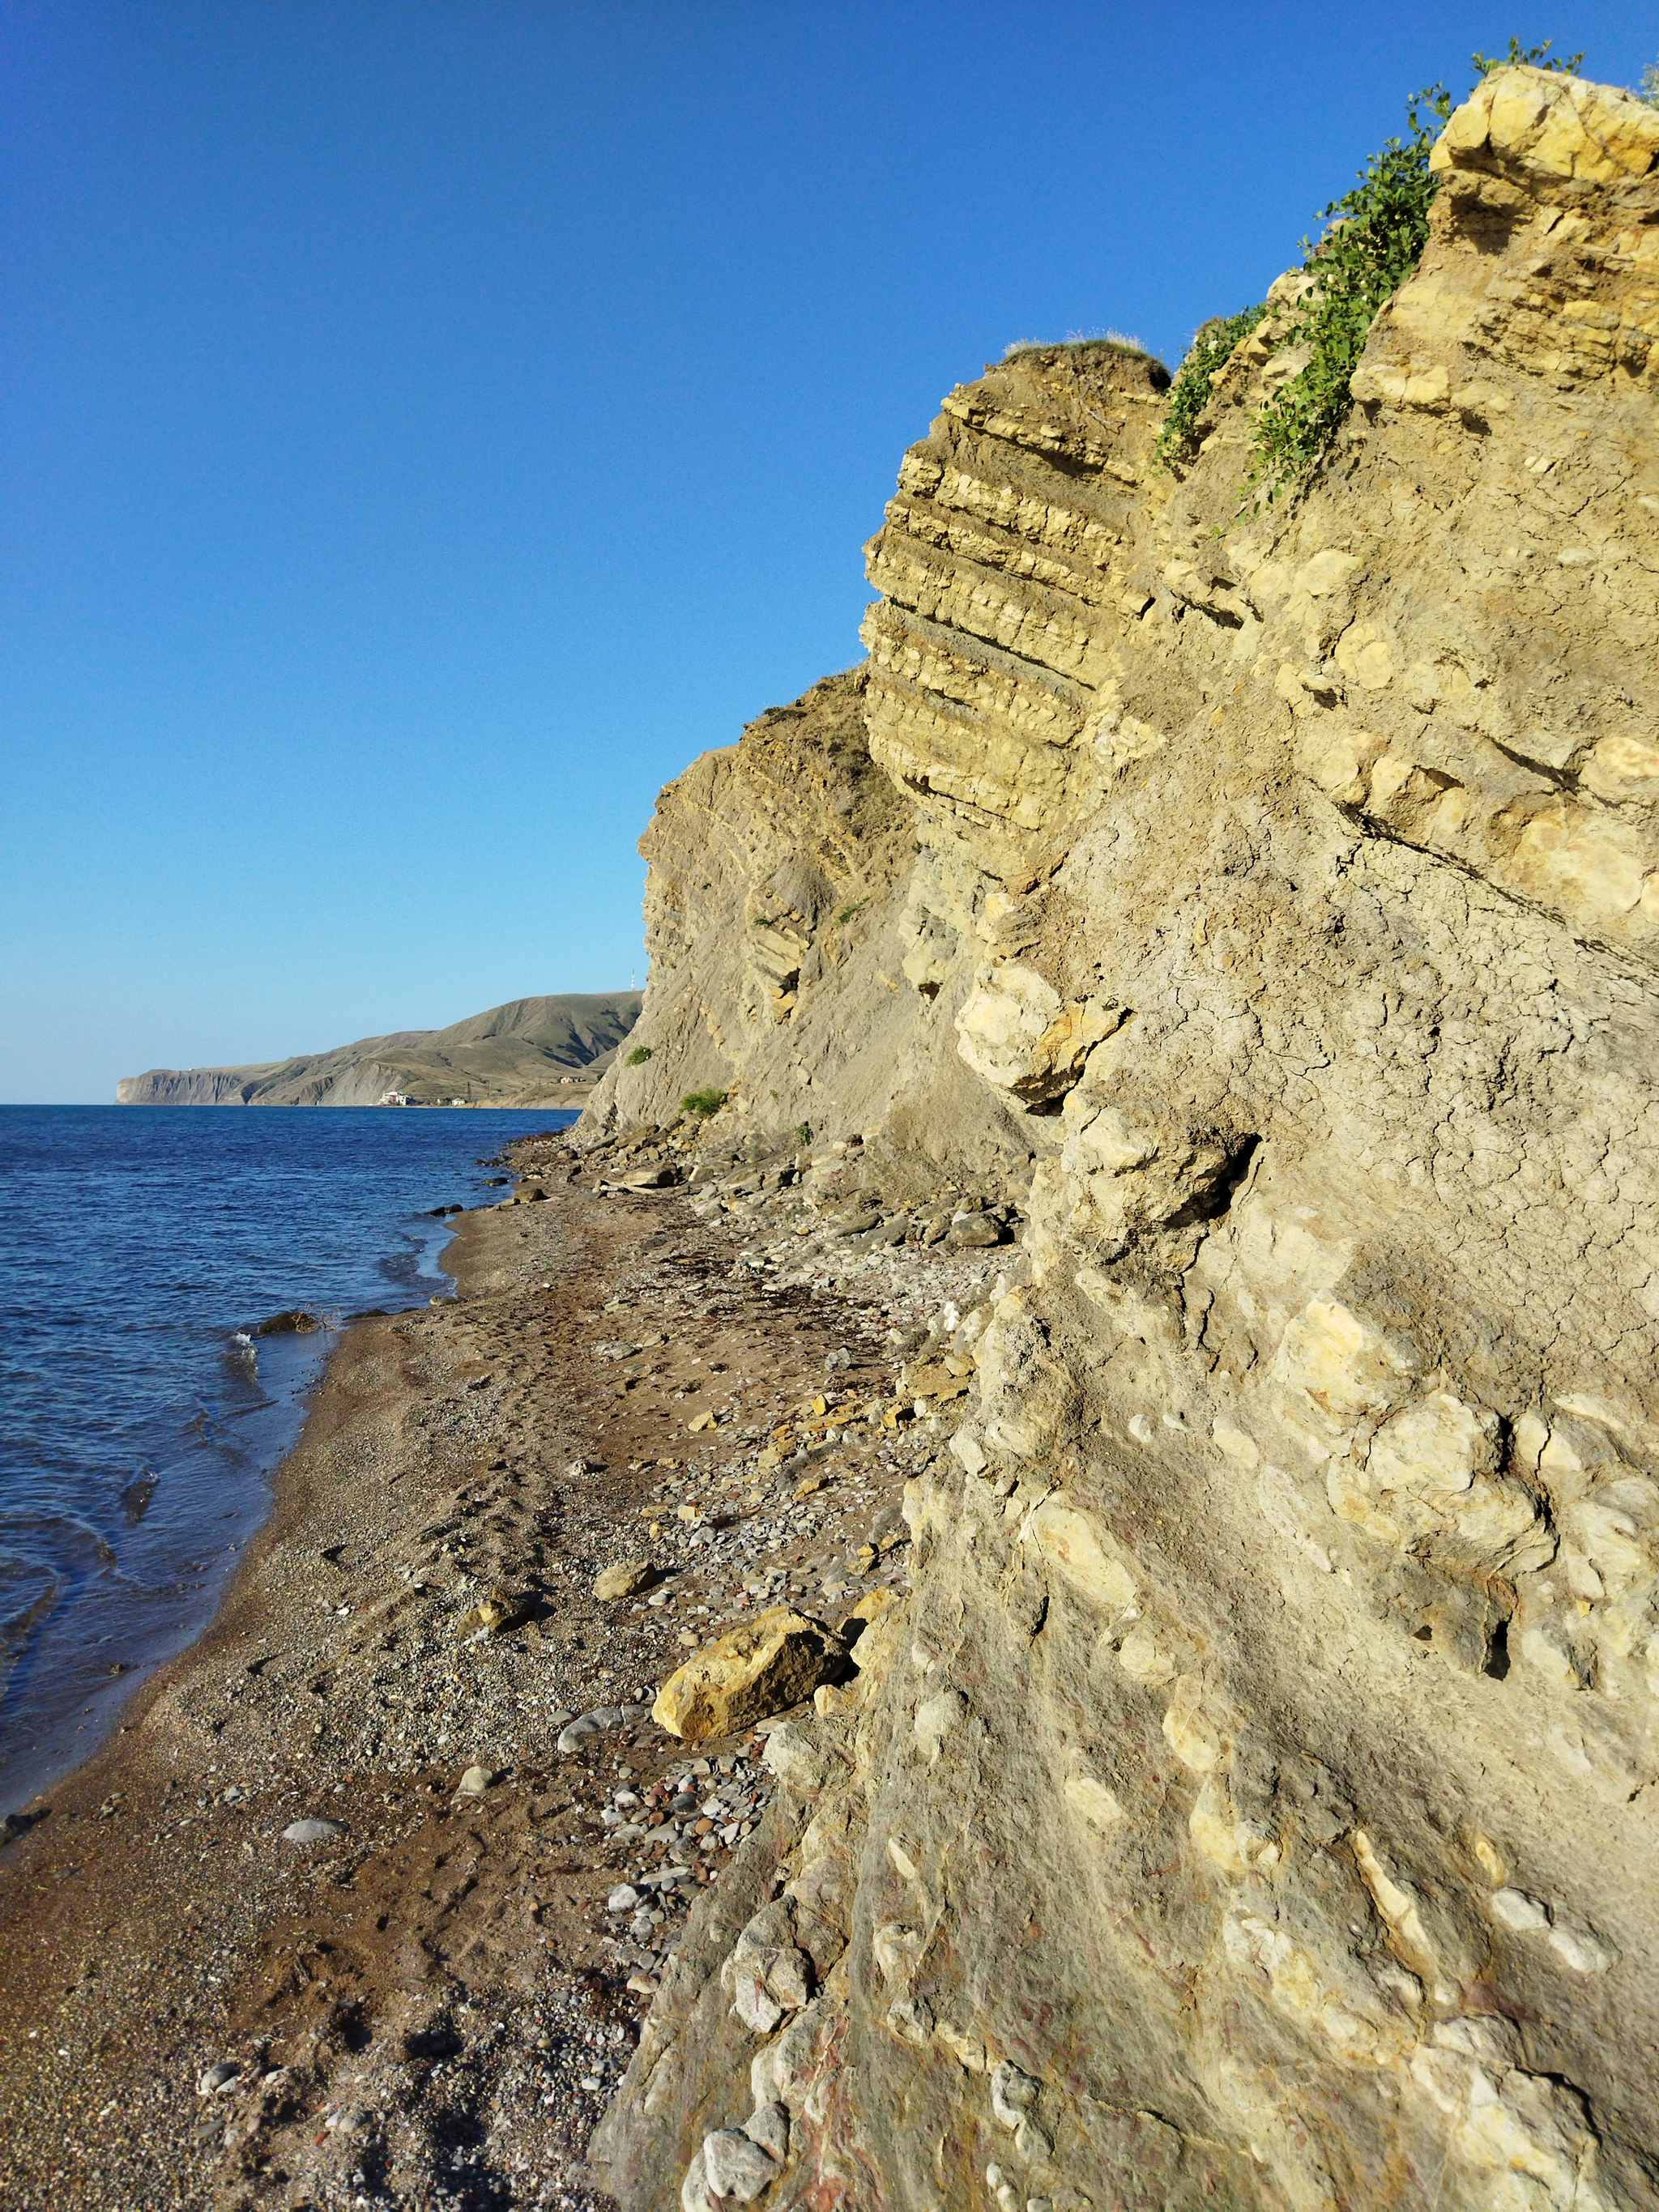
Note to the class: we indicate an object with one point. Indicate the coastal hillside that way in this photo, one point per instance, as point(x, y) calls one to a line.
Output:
point(522, 1053)
point(1255, 903)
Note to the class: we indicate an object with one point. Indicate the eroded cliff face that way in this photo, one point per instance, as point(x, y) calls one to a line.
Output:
point(778, 911)
point(1255, 1803)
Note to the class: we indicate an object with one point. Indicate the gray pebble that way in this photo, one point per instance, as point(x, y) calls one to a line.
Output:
point(736, 2166)
point(769, 2128)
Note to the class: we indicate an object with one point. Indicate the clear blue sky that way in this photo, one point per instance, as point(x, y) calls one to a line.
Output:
point(429, 425)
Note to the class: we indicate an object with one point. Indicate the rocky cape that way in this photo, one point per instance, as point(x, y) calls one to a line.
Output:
point(1254, 1801)
point(518, 1054)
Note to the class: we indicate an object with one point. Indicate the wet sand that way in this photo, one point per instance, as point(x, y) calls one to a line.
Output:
point(430, 2005)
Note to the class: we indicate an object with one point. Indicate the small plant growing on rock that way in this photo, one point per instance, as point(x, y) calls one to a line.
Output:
point(1190, 395)
point(1375, 240)
point(702, 1103)
point(847, 911)
point(640, 1055)
point(1520, 57)
point(804, 1133)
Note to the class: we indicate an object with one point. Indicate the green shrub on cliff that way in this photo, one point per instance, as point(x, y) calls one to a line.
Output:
point(1520, 57)
point(1375, 240)
point(1190, 395)
point(640, 1055)
point(1377, 233)
point(702, 1103)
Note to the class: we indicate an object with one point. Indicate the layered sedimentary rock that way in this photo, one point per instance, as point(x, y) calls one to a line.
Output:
point(511, 1055)
point(1256, 1801)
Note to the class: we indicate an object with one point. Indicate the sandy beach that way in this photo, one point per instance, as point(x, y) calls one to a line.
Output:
point(422, 1999)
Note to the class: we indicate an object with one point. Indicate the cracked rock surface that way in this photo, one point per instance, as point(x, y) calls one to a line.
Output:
point(1252, 1801)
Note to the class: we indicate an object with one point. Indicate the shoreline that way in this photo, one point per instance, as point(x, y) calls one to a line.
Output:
point(293, 1400)
point(443, 1952)
point(213, 1434)
point(571, 1102)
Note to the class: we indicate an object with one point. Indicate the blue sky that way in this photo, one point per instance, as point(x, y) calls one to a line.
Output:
point(429, 425)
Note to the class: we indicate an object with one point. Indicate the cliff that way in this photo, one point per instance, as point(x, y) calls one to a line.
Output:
point(514, 1055)
point(1255, 1804)
point(781, 906)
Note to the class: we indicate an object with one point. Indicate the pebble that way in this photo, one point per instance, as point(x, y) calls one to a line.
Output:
point(736, 2166)
point(476, 1781)
point(622, 1899)
point(769, 2128)
point(218, 2078)
point(596, 1723)
point(313, 1831)
point(623, 1579)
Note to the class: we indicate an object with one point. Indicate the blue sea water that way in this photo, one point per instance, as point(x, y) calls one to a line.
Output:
point(139, 1417)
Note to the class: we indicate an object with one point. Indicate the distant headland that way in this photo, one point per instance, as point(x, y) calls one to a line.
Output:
point(530, 1052)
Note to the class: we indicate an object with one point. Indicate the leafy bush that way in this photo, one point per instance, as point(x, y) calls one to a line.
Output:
point(1375, 240)
point(1190, 395)
point(703, 1103)
point(1520, 57)
point(640, 1055)
point(803, 1132)
point(847, 911)
point(1649, 87)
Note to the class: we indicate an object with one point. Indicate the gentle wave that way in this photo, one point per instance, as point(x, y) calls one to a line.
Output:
point(144, 1417)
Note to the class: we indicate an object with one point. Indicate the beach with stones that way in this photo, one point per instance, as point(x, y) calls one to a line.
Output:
point(367, 1902)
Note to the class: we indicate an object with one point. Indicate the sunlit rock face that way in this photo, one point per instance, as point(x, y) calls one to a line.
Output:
point(1255, 1803)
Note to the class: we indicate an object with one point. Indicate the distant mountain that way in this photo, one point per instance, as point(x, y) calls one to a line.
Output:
point(523, 1053)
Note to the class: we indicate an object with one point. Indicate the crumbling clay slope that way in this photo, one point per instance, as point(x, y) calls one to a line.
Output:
point(1255, 1803)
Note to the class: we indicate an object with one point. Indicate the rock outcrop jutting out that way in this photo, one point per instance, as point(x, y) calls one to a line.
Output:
point(1257, 1804)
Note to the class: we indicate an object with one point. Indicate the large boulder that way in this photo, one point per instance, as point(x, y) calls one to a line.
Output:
point(774, 1661)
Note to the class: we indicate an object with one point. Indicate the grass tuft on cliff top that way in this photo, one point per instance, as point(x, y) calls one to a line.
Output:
point(1081, 342)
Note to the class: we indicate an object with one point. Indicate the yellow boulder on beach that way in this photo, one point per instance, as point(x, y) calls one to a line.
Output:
point(497, 1614)
point(622, 1579)
point(769, 1663)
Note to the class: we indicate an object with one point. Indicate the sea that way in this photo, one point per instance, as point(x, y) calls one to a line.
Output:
point(142, 1415)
